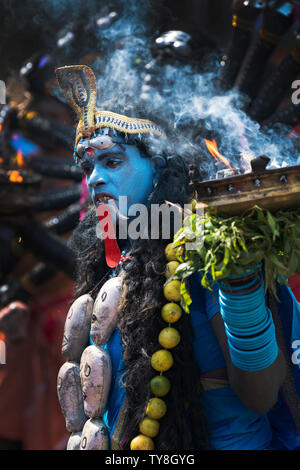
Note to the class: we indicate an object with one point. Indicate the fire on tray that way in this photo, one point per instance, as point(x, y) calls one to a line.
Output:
point(232, 193)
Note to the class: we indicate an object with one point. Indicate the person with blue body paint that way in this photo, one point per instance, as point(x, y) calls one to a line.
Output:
point(230, 366)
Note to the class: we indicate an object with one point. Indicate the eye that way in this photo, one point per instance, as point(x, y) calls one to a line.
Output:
point(113, 163)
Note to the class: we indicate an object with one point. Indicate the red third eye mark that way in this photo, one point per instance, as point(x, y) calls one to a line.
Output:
point(90, 152)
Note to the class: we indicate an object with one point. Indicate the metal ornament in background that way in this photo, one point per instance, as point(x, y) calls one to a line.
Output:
point(53, 167)
point(244, 17)
point(168, 47)
point(277, 83)
point(78, 41)
point(173, 43)
point(276, 22)
point(249, 69)
point(17, 116)
point(2, 92)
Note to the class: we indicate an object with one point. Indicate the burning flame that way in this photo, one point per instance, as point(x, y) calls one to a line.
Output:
point(15, 177)
point(0, 127)
point(213, 149)
point(20, 159)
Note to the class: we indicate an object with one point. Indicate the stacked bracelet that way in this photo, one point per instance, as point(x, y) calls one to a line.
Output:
point(248, 323)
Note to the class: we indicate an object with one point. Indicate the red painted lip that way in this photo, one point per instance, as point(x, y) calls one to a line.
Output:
point(99, 196)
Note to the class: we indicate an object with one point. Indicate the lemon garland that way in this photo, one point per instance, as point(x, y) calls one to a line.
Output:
point(162, 360)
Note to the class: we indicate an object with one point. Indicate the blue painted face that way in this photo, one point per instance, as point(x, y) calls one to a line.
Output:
point(118, 171)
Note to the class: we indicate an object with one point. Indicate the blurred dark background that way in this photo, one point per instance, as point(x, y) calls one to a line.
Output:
point(26, 25)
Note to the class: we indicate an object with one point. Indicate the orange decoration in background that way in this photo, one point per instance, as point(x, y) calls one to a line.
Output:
point(15, 177)
point(30, 115)
point(20, 159)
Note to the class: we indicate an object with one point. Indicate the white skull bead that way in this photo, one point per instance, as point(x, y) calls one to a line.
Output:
point(77, 328)
point(94, 435)
point(95, 374)
point(105, 312)
point(74, 441)
point(70, 396)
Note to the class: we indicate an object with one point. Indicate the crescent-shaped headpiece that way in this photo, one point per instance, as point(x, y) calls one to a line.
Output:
point(79, 85)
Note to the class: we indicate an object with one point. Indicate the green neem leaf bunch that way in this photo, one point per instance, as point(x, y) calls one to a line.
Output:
point(230, 246)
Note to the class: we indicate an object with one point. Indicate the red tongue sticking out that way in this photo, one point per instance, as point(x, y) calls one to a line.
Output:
point(112, 250)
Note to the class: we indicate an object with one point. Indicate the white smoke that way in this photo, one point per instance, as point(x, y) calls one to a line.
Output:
point(184, 99)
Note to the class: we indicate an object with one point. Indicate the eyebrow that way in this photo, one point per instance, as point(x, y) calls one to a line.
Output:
point(104, 155)
point(110, 154)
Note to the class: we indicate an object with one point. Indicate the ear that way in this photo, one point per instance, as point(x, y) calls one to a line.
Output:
point(158, 162)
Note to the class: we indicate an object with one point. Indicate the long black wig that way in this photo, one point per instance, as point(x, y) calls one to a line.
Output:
point(183, 426)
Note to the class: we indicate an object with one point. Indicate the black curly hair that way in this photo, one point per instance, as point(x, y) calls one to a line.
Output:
point(183, 426)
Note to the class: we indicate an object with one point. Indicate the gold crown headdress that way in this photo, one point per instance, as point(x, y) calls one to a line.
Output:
point(79, 85)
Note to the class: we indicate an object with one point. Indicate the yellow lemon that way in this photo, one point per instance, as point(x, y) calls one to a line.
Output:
point(171, 312)
point(169, 338)
point(160, 385)
point(171, 268)
point(156, 408)
point(194, 205)
point(141, 442)
point(170, 252)
point(172, 291)
point(162, 360)
point(149, 427)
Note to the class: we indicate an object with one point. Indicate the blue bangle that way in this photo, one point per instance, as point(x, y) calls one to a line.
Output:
point(253, 342)
point(245, 297)
point(244, 319)
point(250, 270)
point(246, 313)
point(251, 361)
point(250, 285)
point(249, 328)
